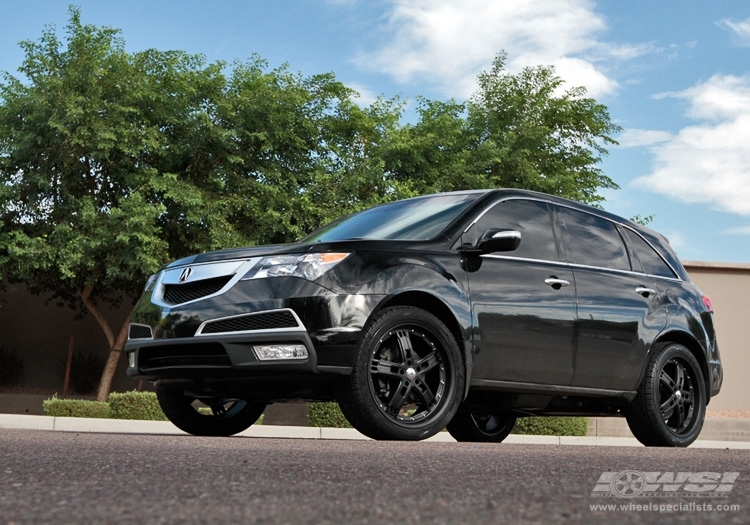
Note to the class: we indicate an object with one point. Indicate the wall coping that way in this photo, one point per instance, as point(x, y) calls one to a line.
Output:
point(705, 265)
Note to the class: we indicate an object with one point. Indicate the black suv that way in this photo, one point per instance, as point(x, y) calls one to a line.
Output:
point(462, 309)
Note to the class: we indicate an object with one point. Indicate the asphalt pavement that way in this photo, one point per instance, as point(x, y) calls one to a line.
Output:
point(122, 426)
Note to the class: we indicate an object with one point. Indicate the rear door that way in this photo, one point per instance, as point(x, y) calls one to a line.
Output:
point(619, 309)
point(523, 302)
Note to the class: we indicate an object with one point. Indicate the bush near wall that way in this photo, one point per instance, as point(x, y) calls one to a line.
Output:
point(327, 415)
point(130, 405)
point(11, 367)
point(75, 408)
point(552, 426)
point(135, 405)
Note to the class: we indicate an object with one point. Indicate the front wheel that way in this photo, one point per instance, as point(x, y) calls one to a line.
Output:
point(485, 428)
point(208, 417)
point(409, 377)
point(670, 405)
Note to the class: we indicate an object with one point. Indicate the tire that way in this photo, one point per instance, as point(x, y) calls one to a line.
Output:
point(227, 417)
point(483, 428)
point(670, 406)
point(409, 377)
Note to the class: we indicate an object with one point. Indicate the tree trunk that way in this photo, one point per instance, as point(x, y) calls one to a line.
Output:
point(116, 344)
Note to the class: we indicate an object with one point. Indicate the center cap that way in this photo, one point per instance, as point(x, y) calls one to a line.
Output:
point(411, 374)
point(677, 395)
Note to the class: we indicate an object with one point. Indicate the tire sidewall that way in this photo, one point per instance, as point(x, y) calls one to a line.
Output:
point(699, 403)
point(388, 321)
point(177, 407)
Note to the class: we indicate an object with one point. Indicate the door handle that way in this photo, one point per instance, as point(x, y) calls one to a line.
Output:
point(645, 292)
point(556, 283)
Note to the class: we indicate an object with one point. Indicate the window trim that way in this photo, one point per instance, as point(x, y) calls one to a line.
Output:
point(553, 219)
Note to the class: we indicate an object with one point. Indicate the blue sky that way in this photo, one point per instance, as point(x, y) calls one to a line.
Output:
point(675, 75)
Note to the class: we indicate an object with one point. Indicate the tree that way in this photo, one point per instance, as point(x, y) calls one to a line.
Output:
point(517, 131)
point(111, 164)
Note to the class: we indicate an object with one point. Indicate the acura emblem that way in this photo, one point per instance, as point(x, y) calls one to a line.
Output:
point(185, 275)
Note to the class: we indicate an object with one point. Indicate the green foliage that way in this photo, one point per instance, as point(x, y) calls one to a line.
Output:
point(326, 415)
point(517, 131)
point(552, 426)
point(75, 408)
point(113, 163)
point(11, 367)
point(135, 405)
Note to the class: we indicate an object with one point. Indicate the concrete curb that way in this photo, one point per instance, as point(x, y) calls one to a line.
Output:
point(122, 426)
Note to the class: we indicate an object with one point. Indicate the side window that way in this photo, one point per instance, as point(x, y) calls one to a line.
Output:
point(532, 219)
point(594, 241)
point(652, 263)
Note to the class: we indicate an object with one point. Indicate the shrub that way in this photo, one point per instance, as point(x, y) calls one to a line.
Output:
point(85, 372)
point(326, 415)
point(552, 426)
point(75, 408)
point(135, 405)
point(11, 367)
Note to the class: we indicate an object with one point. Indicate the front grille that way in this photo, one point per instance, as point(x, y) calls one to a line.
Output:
point(182, 293)
point(140, 331)
point(263, 321)
point(187, 355)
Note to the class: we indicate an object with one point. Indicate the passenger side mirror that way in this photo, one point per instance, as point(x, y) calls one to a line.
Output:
point(495, 240)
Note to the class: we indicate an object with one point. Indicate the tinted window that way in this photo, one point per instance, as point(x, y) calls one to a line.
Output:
point(594, 241)
point(416, 219)
point(532, 219)
point(652, 263)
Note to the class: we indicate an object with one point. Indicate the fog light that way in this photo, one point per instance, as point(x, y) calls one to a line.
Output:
point(269, 352)
point(131, 359)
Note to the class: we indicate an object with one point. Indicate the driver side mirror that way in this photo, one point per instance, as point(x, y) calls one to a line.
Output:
point(494, 240)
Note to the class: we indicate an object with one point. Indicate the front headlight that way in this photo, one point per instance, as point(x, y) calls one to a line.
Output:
point(150, 283)
point(308, 266)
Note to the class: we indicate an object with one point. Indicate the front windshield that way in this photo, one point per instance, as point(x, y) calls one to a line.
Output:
point(417, 219)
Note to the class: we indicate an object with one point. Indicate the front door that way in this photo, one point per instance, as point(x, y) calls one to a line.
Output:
point(523, 302)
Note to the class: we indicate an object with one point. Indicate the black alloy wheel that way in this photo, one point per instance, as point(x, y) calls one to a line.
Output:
point(409, 377)
point(476, 427)
point(670, 406)
point(208, 417)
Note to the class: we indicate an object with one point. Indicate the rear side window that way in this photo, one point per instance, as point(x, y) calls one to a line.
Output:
point(652, 263)
point(594, 241)
point(532, 219)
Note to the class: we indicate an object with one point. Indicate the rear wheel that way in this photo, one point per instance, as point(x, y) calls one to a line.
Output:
point(409, 377)
point(208, 416)
point(670, 406)
point(487, 428)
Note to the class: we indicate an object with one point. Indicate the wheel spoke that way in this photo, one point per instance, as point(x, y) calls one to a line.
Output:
point(687, 397)
point(428, 362)
point(667, 408)
point(386, 368)
point(679, 376)
point(667, 381)
point(425, 394)
point(404, 344)
point(398, 397)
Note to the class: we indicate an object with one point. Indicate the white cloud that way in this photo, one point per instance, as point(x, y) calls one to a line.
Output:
point(740, 230)
point(635, 138)
point(364, 96)
point(741, 30)
point(451, 41)
point(708, 162)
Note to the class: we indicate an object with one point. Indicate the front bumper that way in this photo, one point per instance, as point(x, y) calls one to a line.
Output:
point(216, 337)
point(223, 347)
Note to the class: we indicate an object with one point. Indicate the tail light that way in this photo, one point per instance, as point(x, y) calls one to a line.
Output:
point(707, 302)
